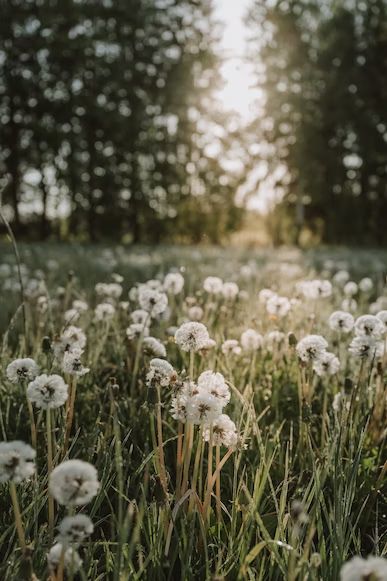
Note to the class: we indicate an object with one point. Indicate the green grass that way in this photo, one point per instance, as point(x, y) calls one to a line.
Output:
point(340, 483)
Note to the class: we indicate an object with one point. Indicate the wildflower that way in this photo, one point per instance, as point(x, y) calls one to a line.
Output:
point(139, 316)
point(278, 306)
point(135, 330)
point(80, 306)
point(47, 391)
point(369, 325)
point(71, 338)
point(22, 370)
point(311, 348)
point(195, 313)
point(341, 277)
point(349, 304)
point(314, 289)
point(74, 483)
point(359, 569)
point(207, 346)
point(366, 347)
point(382, 316)
point(179, 408)
point(104, 312)
point(153, 346)
point(174, 283)
point(192, 336)
point(203, 408)
point(366, 285)
point(72, 363)
point(230, 290)
point(160, 372)
point(213, 285)
point(231, 347)
point(350, 288)
point(274, 338)
point(72, 560)
point(71, 316)
point(17, 461)
point(75, 529)
point(251, 340)
point(111, 290)
point(224, 432)
point(153, 301)
point(265, 294)
point(341, 321)
point(214, 384)
point(326, 364)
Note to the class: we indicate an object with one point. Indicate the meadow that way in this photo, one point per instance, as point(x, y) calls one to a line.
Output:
point(192, 413)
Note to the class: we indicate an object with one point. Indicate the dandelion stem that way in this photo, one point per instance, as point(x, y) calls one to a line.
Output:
point(70, 414)
point(32, 424)
point(196, 470)
point(163, 474)
point(217, 487)
point(51, 513)
point(179, 458)
point(18, 519)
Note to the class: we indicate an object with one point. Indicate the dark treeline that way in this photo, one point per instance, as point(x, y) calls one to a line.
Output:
point(109, 123)
point(323, 66)
point(105, 120)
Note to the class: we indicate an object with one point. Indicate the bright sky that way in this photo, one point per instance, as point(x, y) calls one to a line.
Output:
point(237, 94)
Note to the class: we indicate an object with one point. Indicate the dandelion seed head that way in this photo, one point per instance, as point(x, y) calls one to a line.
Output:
point(48, 391)
point(74, 483)
point(17, 461)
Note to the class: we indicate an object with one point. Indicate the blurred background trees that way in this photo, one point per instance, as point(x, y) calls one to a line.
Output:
point(110, 126)
point(323, 67)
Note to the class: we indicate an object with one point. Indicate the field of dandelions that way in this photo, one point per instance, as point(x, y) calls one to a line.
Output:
point(186, 414)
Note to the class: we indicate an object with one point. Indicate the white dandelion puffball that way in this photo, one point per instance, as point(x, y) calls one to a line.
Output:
point(341, 321)
point(139, 317)
point(213, 285)
point(104, 312)
point(359, 569)
point(350, 288)
point(72, 560)
point(366, 347)
point(72, 363)
point(71, 338)
point(17, 461)
point(75, 529)
point(231, 347)
point(202, 408)
point(80, 306)
point(74, 483)
point(160, 372)
point(71, 316)
point(265, 294)
point(192, 336)
point(326, 364)
point(174, 283)
point(369, 325)
point(22, 370)
point(274, 338)
point(341, 277)
point(315, 289)
point(135, 330)
point(195, 313)
point(311, 348)
point(366, 284)
point(278, 306)
point(154, 347)
point(224, 432)
point(48, 391)
point(349, 304)
point(153, 301)
point(112, 290)
point(251, 340)
point(214, 384)
point(230, 291)
point(382, 316)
